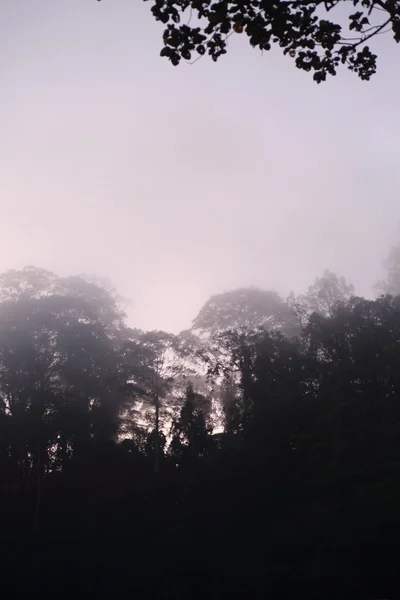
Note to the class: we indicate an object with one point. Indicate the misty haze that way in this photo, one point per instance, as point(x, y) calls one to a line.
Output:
point(199, 301)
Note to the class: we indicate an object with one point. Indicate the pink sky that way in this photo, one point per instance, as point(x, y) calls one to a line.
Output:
point(176, 183)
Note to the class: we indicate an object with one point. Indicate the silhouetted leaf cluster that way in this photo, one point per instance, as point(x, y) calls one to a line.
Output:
point(319, 35)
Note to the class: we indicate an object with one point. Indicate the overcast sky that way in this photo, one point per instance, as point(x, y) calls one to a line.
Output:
point(176, 183)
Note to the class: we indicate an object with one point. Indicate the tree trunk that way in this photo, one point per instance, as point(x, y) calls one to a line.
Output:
point(157, 442)
point(38, 493)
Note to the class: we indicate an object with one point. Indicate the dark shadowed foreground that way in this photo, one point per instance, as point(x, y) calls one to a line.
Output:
point(256, 455)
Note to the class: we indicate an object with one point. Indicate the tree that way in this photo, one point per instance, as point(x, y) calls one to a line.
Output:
point(302, 29)
point(59, 371)
point(230, 398)
point(156, 362)
point(100, 298)
point(243, 311)
point(323, 297)
point(227, 324)
point(191, 431)
point(391, 285)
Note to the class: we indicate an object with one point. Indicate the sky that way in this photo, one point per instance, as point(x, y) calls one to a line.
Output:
point(176, 183)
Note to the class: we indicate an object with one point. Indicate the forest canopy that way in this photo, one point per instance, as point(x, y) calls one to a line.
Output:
point(256, 453)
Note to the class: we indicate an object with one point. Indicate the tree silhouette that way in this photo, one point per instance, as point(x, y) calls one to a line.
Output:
point(319, 36)
point(391, 285)
point(294, 493)
point(192, 430)
point(323, 297)
point(244, 310)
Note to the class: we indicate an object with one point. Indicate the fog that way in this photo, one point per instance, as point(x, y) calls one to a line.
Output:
point(177, 183)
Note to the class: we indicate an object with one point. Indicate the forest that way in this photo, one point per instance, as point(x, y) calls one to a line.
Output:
point(254, 455)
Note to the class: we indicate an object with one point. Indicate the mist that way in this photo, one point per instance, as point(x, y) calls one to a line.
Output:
point(199, 300)
point(180, 183)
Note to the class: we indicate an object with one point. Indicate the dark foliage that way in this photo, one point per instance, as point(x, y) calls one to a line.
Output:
point(319, 35)
point(124, 470)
